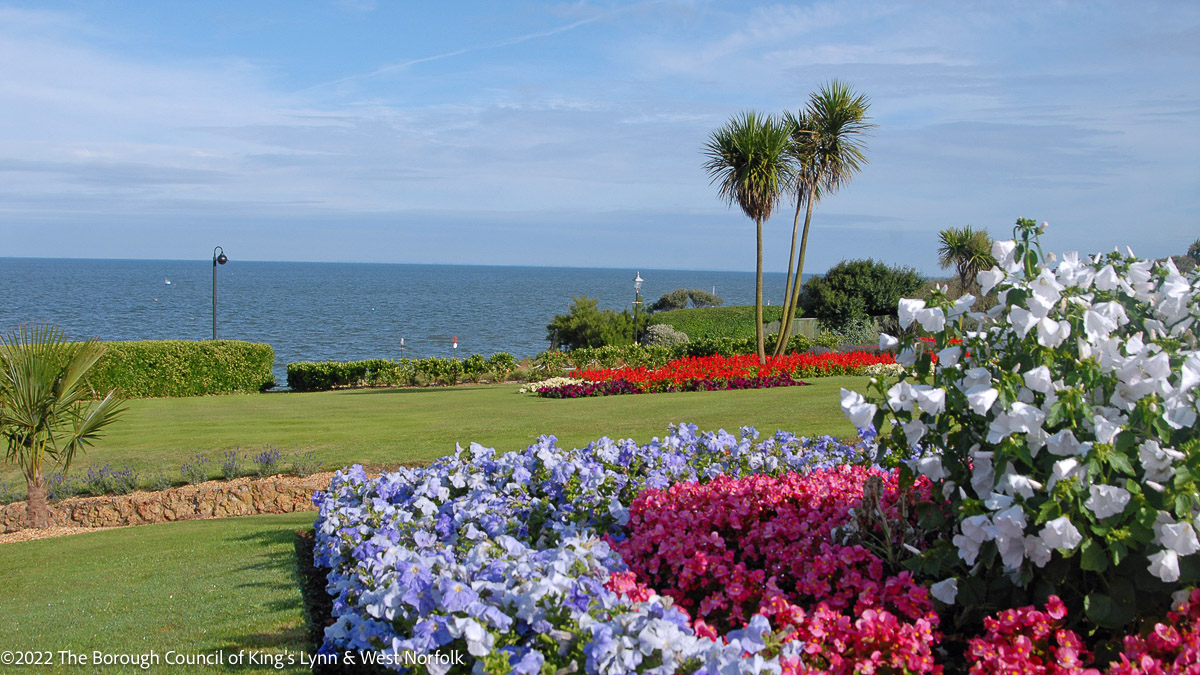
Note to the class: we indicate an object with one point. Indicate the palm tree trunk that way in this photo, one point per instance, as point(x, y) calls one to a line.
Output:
point(787, 287)
point(37, 513)
point(758, 297)
point(785, 328)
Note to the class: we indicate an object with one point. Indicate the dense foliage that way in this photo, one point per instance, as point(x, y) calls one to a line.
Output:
point(1062, 429)
point(586, 325)
point(664, 335)
point(681, 297)
point(716, 322)
point(857, 289)
point(154, 368)
point(325, 375)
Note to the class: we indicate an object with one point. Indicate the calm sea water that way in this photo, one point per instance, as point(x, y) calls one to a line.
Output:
point(332, 311)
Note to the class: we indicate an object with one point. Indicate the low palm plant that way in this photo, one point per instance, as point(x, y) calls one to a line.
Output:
point(48, 412)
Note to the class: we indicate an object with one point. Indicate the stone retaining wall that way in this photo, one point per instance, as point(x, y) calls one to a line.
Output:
point(214, 499)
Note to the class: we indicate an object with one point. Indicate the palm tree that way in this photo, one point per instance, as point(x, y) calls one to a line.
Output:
point(47, 410)
point(826, 150)
point(968, 250)
point(747, 160)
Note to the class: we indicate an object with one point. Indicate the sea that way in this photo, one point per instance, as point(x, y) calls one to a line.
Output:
point(334, 311)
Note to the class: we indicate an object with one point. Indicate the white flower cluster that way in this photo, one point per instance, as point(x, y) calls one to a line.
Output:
point(1081, 384)
point(535, 387)
point(883, 370)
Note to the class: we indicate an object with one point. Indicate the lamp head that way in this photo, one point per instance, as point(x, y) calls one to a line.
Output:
point(637, 282)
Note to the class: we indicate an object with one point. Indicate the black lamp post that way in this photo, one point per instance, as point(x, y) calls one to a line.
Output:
point(217, 260)
point(637, 300)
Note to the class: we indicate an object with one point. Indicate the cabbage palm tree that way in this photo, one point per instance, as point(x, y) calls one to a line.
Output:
point(48, 412)
point(968, 250)
point(748, 162)
point(826, 150)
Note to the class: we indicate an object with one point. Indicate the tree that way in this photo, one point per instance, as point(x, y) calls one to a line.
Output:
point(48, 412)
point(747, 160)
point(968, 250)
point(826, 150)
point(586, 325)
point(857, 290)
point(680, 297)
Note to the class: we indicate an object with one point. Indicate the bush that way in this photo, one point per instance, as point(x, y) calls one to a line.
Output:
point(325, 375)
point(586, 325)
point(664, 335)
point(855, 290)
point(680, 297)
point(181, 368)
point(716, 322)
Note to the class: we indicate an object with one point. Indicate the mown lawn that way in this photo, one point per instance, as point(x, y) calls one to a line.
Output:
point(197, 587)
point(396, 426)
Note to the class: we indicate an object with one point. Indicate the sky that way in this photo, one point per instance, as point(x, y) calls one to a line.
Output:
point(571, 134)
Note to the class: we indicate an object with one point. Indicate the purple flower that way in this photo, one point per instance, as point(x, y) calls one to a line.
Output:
point(456, 596)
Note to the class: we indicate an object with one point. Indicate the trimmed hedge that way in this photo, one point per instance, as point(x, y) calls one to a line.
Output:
point(158, 368)
point(735, 322)
point(324, 375)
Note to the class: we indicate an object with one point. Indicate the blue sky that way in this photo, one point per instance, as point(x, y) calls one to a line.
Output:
point(570, 134)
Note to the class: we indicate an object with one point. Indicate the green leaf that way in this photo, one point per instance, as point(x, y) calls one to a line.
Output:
point(1120, 462)
point(1093, 558)
point(1100, 609)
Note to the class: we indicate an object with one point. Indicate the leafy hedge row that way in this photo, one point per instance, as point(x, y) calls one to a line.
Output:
point(155, 368)
point(736, 322)
point(656, 356)
point(324, 375)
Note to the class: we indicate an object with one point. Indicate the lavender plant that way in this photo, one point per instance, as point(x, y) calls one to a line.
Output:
point(195, 470)
point(266, 463)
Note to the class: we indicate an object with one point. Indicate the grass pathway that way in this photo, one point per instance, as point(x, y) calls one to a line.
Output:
point(197, 587)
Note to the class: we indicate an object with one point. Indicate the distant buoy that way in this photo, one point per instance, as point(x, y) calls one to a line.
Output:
point(156, 299)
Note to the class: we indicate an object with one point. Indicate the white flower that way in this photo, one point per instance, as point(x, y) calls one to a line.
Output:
point(1064, 444)
point(1158, 461)
point(1023, 320)
point(1165, 565)
point(962, 304)
point(980, 399)
point(1010, 536)
point(914, 431)
point(901, 396)
point(1021, 418)
point(1037, 551)
point(932, 401)
point(1013, 483)
point(1178, 537)
point(1038, 379)
point(887, 341)
point(907, 309)
point(1107, 279)
point(945, 590)
point(855, 407)
point(1061, 534)
point(989, 278)
point(931, 467)
point(1107, 500)
point(983, 476)
point(932, 319)
point(948, 357)
point(1003, 252)
point(975, 531)
point(1052, 333)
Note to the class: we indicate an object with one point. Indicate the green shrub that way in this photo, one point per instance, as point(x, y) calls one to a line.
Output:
point(680, 297)
point(716, 322)
point(857, 289)
point(586, 325)
point(181, 368)
point(664, 335)
point(325, 375)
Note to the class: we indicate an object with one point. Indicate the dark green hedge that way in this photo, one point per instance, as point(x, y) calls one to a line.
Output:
point(181, 368)
point(324, 375)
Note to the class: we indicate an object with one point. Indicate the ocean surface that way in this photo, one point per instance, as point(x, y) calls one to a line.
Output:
point(333, 311)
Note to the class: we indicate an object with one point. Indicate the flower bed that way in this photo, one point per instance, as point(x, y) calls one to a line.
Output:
point(714, 373)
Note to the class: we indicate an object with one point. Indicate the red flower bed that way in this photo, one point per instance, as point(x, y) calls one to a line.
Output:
point(742, 366)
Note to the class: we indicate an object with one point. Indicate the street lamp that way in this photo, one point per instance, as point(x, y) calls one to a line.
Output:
point(637, 300)
point(217, 260)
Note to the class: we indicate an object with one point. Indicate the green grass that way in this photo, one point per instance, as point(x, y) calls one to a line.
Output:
point(396, 426)
point(716, 322)
point(196, 587)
